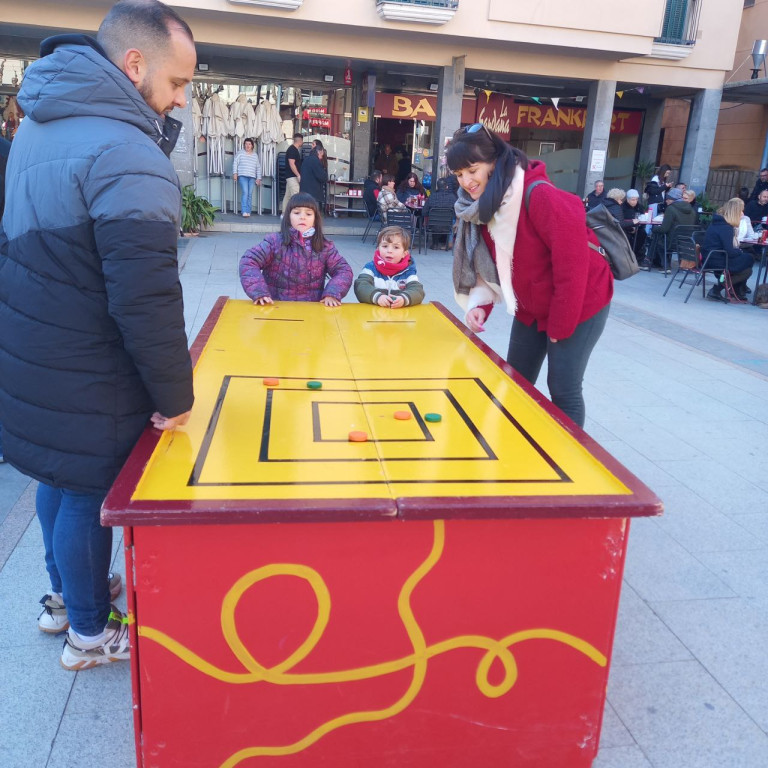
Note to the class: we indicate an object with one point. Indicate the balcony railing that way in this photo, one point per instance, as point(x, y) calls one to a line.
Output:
point(285, 5)
point(679, 28)
point(680, 23)
point(425, 11)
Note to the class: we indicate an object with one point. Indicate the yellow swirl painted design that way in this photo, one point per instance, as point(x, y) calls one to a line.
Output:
point(417, 660)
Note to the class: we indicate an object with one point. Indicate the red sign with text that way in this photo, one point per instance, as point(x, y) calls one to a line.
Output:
point(569, 118)
point(414, 107)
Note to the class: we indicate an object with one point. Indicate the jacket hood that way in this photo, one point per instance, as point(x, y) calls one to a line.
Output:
point(75, 78)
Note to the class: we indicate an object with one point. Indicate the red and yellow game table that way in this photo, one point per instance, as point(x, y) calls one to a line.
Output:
point(442, 594)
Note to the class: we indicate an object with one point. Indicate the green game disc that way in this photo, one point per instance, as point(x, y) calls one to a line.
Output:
point(315, 384)
point(433, 417)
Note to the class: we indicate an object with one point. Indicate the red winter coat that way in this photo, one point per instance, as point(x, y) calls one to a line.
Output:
point(559, 281)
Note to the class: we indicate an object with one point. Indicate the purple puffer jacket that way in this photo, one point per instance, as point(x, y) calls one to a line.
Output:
point(293, 272)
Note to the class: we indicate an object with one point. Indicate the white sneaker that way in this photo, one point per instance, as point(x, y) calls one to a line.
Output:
point(77, 654)
point(53, 618)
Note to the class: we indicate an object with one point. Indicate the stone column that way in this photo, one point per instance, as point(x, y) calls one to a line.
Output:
point(183, 155)
point(597, 130)
point(450, 95)
point(649, 140)
point(361, 134)
point(700, 138)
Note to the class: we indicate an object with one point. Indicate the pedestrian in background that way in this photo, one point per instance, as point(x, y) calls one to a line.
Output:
point(246, 171)
point(92, 340)
point(5, 148)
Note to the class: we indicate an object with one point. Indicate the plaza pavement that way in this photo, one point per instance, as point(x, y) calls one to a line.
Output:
point(676, 392)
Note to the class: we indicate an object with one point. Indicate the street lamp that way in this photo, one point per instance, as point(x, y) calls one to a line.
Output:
point(759, 50)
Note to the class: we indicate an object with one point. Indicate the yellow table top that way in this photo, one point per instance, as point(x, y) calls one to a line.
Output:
point(248, 441)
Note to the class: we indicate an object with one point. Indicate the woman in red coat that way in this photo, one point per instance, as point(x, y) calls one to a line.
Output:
point(532, 255)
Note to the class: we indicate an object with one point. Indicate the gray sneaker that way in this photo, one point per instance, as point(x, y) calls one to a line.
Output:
point(78, 655)
point(53, 618)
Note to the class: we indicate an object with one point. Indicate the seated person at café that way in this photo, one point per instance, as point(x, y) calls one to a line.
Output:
point(721, 236)
point(690, 197)
point(442, 197)
point(744, 195)
point(631, 211)
point(760, 185)
point(597, 196)
point(613, 200)
point(371, 189)
point(410, 187)
point(757, 210)
point(387, 200)
point(678, 212)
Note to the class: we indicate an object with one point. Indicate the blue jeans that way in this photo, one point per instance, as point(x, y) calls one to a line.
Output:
point(567, 360)
point(77, 554)
point(246, 191)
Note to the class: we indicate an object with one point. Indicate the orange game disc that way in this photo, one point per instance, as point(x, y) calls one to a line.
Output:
point(403, 415)
point(358, 437)
point(271, 382)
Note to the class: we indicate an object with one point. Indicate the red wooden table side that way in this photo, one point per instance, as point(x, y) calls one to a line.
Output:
point(557, 580)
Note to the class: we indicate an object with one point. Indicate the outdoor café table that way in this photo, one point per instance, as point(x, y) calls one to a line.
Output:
point(443, 593)
point(416, 208)
point(762, 269)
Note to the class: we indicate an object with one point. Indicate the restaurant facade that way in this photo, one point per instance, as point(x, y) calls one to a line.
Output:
point(584, 88)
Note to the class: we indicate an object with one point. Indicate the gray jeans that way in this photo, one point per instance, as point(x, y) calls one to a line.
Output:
point(567, 360)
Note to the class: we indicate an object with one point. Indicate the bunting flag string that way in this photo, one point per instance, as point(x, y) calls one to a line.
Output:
point(555, 100)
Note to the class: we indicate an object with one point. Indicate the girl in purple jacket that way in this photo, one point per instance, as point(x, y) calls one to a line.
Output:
point(292, 265)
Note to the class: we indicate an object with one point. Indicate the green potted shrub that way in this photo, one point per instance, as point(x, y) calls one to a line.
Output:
point(196, 212)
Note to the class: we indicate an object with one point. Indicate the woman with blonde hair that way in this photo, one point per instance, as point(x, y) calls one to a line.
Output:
point(613, 201)
point(721, 238)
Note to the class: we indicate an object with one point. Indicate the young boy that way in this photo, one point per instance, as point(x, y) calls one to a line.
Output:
point(390, 280)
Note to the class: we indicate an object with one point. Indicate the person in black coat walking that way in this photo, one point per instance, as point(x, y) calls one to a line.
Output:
point(314, 177)
point(5, 148)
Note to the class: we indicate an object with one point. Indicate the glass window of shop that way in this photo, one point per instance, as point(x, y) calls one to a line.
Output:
point(286, 108)
point(555, 133)
point(406, 122)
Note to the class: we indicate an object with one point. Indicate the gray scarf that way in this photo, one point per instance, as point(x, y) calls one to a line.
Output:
point(471, 257)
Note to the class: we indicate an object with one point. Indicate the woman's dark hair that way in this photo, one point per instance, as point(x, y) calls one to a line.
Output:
point(744, 194)
point(249, 141)
point(386, 178)
point(376, 177)
point(419, 188)
point(480, 146)
point(318, 145)
point(303, 200)
point(662, 170)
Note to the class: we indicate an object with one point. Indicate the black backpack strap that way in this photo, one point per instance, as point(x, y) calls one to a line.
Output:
point(529, 189)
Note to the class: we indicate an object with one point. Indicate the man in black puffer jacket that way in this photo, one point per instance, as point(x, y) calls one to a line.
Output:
point(92, 340)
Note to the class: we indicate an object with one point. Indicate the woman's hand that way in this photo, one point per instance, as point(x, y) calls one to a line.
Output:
point(330, 301)
point(234, 177)
point(163, 422)
point(258, 182)
point(263, 300)
point(476, 320)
